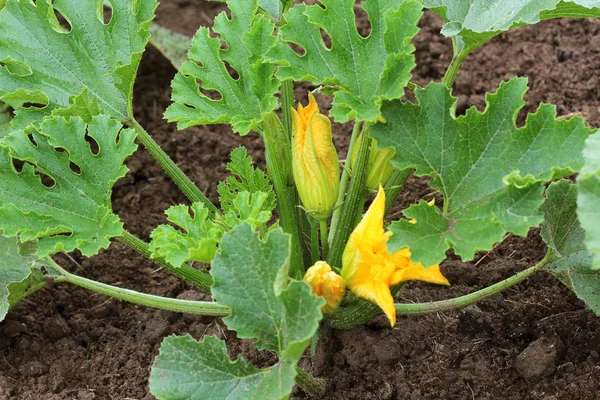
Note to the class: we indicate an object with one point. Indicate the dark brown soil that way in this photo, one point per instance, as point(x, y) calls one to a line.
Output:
point(535, 341)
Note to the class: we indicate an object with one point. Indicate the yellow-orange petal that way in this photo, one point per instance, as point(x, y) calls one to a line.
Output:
point(378, 292)
point(418, 272)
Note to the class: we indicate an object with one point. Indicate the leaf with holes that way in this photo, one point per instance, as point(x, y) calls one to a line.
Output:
point(192, 370)
point(61, 197)
point(568, 258)
point(172, 45)
point(46, 64)
point(19, 275)
point(473, 22)
point(588, 200)
point(490, 172)
point(363, 72)
point(206, 92)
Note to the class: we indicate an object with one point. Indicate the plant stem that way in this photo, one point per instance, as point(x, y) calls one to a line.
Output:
point(343, 182)
point(394, 186)
point(143, 299)
point(186, 272)
point(314, 241)
point(287, 103)
point(324, 241)
point(457, 60)
point(309, 383)
point(350, 208)
point(181, 180)
point(466, 300)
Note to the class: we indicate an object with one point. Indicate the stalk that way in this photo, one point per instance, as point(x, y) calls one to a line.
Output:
point(186, 272)
point(181, 180)
point(394, 186)
point(350, 208)
point(143, 299)
point(287, 103)
point(314, 241)
point(454, 66)
point(343, 183)
point(309, 383)
point(324, 242)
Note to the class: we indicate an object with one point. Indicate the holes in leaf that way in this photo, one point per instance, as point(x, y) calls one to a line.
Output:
point(231, 71)
point(107, 12)
point(75, 168)
point(191, 107)
point(94, 146)
point(32, 140)
point(210, 93)
point(33, 105)
point(46, 180)
point(18, 165)
point(326, 39)
point(59, 23)
point(363, 25)
point(299, 50)
point(224, 45)
point(15, 67)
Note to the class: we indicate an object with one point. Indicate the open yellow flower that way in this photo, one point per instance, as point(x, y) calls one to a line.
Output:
point(370, 270)
point(314, 160)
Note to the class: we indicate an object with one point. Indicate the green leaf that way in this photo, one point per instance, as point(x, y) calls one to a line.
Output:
point(248, 207)
point(172, 45)
point(19, 275)
point(75, 211)
point(490, 172)
point(474, 22)
point(196, 240)
point(49, 66)
point(281, 317)
point(363, 72)
point(568, 258)
point(191, 370)
point(242, 101)
point(588, 200)
point(5, 119)
point(244, 178)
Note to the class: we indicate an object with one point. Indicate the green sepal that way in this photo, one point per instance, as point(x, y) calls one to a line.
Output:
point(568, 258)
point(75, 211)
point(363, 72)
point(489, 172)
point(243, 101)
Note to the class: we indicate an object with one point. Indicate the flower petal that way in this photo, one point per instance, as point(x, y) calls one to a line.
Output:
point(379, 293)
point(418, 272)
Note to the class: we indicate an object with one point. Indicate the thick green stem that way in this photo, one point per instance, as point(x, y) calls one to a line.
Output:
point(186, 272)
point(314, 241)
point(454, 66)
point(343, 183)
point(309, 383)
point(466, 300)
point(279, 167)
point(143, 299)
point(287, 103)
point(394, 186)
point(324, 242)
point(350, 208)
point(181, 180)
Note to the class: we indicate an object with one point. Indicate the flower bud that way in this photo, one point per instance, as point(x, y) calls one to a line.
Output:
point(327, 284)
point(314, 160)
point(379, 167)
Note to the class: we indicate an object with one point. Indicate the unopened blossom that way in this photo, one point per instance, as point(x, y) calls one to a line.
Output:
point(327, 284)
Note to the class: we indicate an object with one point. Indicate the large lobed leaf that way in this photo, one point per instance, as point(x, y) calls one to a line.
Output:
point(73, 208)
point(473, 22)
point(588, 200)
point(174, 46)
point(19, 275)
point(363, 72)
point(46, 64)
point(250, 277)
point(243, 100)
point(490, 172)
point(568, 259)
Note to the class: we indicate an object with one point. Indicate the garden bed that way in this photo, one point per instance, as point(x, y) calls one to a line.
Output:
point(534, 341)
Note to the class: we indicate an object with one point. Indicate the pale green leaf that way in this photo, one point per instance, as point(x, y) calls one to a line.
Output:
point(195, 240)
point(172, 45)
point(245, 177)
point(189, 370)
point(51, 65)
point(588, 200)
point(5, 119)
point(240, 101)
point(19, 275)
point(474, 22)
point(75, 212)
point(281, 317)
point(490, 172)
point(363, 72)
point(248, 207)
point(568, 258)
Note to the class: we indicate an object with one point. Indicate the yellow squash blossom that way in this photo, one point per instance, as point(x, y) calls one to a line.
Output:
point(315, 160)
point(370, 270)
point(327, 284)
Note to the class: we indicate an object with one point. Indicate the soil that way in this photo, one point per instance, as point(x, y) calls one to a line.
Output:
point(535, 341)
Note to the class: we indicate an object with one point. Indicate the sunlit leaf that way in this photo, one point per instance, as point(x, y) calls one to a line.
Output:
point(588, 201)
